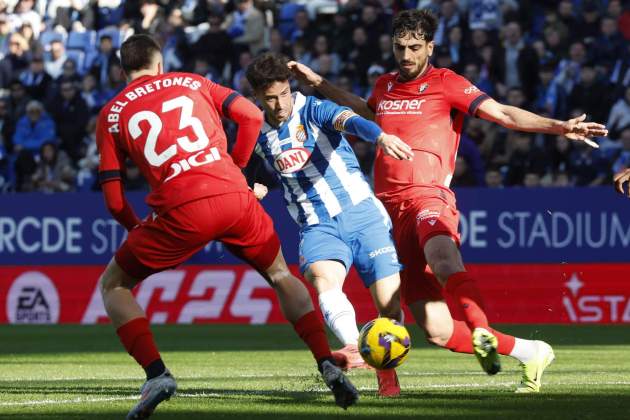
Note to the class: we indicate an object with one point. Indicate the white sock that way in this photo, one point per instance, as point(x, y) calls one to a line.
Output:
point(339, 316)
point(524, 350)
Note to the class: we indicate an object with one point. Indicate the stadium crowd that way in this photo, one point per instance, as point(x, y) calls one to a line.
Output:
point(59, 66)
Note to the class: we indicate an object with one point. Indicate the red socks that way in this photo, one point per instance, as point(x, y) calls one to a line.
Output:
point(465, 295)
point(137, 338)
point(311, 330)
point(461, 339)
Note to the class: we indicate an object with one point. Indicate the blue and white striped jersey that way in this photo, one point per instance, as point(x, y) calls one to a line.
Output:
point(319, 172)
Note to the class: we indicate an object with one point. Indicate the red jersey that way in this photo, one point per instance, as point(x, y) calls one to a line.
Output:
point(427, 113)
point(170, 126)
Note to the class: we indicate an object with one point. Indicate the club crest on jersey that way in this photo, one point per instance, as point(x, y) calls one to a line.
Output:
point(390, 85)
point(423, 87)
point(300, 133)
point(292, 160)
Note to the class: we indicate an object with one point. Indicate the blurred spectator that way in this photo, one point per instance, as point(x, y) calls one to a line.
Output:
point(532, 179)
point(588, 27)
point(54, 172)
point(18, 98)
point(590, 94)
point(115, 81)
point(7, 127)
point(100, 64)
point(372, 23)
point(551, 97)
point(15, 61)
point(386, 60)
point(588, 166)
point(321, 52)
point(37, 82)
point(515, 64)
point(609, 44)
point(215, 45)
point(361, 56)
point(243, 61)
point(71, 115)
point(69, 72)
point(493, 177)
point(54, 65)
point(525, 159)
point(619, 116)
point(568, 71)
point(24, 12)
point(33, 129)
point(374, 72)
point(488, 14)
point(246, 26)
point(474, 163)
point(448, 19)
point(88, 163)
point(65, 12)
point(91, 93)
point(623, 160)
point(5, 31)
point(302, 29)
point(277, 44)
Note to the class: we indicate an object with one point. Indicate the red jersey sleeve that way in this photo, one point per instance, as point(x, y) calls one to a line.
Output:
point(462, 94)
point(110, 174)
point(248, 117)
point(111, 157)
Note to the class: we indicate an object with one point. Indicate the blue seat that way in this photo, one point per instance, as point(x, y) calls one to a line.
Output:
point(83, 41)
point(45, 38)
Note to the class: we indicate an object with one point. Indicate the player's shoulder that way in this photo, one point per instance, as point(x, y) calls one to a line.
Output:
point(443, 73)
point(386, 78)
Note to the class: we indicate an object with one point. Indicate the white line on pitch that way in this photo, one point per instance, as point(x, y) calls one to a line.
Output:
point(317, 390)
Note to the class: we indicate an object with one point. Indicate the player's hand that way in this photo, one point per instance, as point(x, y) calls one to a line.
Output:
point(577, 129)
point(304, 74)
point(620, 179)
point(394, 147)
point(260, 191)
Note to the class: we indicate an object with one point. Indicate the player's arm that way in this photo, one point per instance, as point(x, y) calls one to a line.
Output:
point(519, 119)
point(110, 177)
point(307, 76)
point(621, 178)
point(349, 122)
point(244, 113)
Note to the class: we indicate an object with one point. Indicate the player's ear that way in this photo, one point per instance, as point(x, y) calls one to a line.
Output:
point(430, 46)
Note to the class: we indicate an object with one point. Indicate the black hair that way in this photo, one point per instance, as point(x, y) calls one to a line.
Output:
point(266, 69)
point(420, 24)
point(137, 52)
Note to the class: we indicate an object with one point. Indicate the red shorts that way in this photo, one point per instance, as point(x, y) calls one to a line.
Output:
point(416, 221)
point(166, 241)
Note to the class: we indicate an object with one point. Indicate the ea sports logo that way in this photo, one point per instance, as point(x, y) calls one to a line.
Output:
point(292, 160)
point(33, 299)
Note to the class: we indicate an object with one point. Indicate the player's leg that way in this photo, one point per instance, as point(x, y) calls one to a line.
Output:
point(444, 259)
point(324, 261)
point(327, 277)
point(434, 318)
point(376, 261)
point(254, 239)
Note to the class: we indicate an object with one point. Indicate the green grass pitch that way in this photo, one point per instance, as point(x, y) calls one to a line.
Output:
point(263, 372)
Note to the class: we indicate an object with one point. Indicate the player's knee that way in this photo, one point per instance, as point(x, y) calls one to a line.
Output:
point(443, 268)
point(277, 277)
point(109, 282)
point(436, 333)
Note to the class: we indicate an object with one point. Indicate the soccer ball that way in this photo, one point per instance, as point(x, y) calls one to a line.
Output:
point(384, 343)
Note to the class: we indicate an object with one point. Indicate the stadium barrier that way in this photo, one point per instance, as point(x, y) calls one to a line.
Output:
point(540, 256)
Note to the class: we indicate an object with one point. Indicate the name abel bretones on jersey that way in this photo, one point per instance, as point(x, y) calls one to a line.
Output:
point(113, 116)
